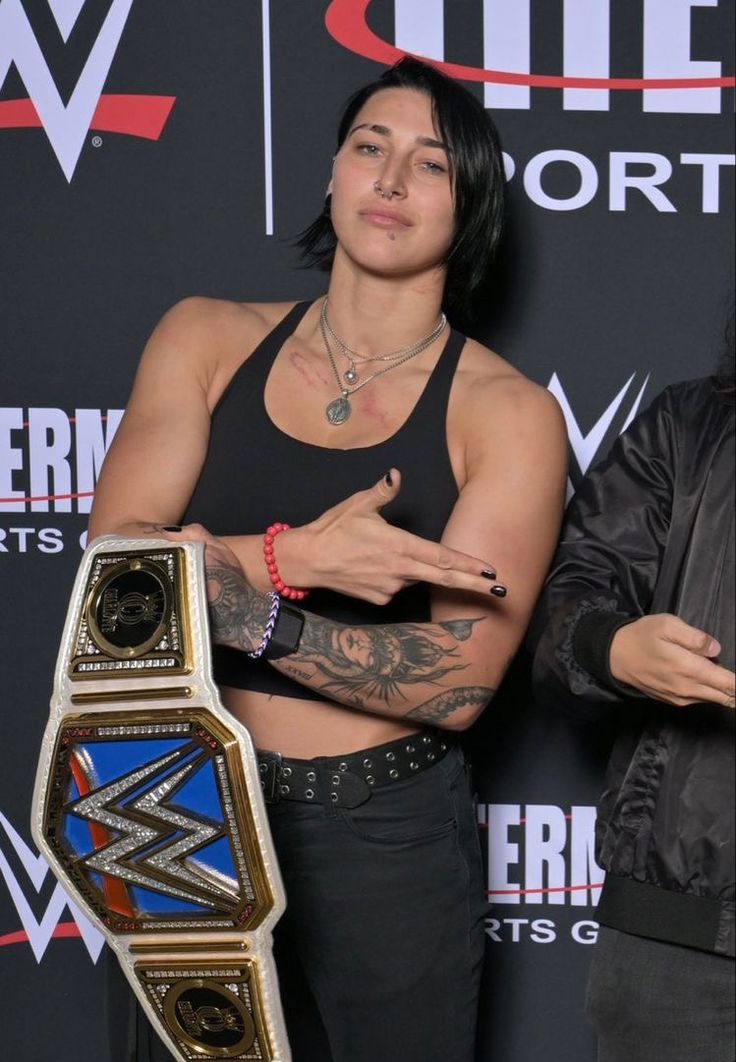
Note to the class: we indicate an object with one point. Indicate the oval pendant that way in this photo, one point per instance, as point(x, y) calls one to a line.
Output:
point(338, 411)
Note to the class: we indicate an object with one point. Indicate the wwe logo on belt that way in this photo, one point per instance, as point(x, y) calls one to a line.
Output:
point(68, 125)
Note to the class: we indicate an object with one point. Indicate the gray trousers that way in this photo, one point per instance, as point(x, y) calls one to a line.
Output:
point(656, 1002)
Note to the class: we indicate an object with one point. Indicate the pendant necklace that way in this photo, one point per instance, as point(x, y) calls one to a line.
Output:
point(339, 409)
point(354, 359)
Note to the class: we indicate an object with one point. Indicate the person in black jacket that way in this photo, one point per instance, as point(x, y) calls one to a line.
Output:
point(637, 625)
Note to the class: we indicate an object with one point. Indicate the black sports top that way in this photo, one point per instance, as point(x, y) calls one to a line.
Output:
point(256, 474)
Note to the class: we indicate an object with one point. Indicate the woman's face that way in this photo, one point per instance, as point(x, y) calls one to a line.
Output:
point(392, 202)
point(377, 655)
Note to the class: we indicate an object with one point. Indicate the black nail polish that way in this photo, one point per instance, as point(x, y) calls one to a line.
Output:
point(171, 527)
point(488, 574)
point(498, 590)
point(389, 479)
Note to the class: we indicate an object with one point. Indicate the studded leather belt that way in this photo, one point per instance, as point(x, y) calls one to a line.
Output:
point(347, 781)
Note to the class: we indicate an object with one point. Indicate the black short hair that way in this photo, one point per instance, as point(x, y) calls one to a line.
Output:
point(477, 170)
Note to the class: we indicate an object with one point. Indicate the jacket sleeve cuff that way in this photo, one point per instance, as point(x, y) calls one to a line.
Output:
point(591, 645)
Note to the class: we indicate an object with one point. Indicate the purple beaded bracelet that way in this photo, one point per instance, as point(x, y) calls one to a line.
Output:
point(268, 630)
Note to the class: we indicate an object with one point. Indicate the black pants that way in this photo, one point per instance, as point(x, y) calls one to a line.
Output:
point(656, 1002)
point(380, 951)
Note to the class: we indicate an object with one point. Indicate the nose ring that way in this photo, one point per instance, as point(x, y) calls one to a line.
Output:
point(379, 188)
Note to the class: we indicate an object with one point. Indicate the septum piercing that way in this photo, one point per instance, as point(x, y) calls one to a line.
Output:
point(384, 195)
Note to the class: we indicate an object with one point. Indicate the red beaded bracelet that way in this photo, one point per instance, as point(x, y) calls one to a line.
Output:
point(273, 572)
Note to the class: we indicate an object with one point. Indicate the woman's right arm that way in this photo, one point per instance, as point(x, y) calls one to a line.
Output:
point(155, 459)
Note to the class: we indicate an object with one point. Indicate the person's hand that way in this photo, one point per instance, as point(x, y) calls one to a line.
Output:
point(217, 552)
point(238, 612)
point(667, 659)
point(353, 550)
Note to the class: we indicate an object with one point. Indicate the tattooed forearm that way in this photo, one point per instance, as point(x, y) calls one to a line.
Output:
point(298, 673)
point(238, 614)
point(460, 629)
point(379, 668)
point(384, 669)
point(441, 707)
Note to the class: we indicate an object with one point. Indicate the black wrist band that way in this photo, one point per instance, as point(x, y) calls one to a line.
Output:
point(591, 644)
point(286, 634)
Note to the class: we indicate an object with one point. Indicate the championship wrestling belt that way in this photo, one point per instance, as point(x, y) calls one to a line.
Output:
point(149, 809)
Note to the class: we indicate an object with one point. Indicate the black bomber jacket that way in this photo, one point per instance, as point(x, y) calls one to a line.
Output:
point(651, 530)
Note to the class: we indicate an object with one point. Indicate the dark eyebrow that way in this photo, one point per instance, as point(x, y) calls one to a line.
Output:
point(428, 141)
point(383, 130)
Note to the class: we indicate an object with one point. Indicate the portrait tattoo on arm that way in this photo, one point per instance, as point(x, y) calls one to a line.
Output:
point(373, 667)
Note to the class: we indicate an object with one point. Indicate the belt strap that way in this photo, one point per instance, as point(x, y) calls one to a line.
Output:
point(348, 781)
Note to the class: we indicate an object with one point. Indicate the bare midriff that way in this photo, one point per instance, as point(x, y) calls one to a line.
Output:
point(305, 729)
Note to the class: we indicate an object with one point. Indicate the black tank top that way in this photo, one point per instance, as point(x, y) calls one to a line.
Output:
point(256, 474)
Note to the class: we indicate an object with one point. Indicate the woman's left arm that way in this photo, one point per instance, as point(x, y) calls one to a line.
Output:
point(442, 672)
point(512, 502)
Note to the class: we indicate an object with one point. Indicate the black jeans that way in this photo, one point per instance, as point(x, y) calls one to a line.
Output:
point(656, 1002)
point(380, 951)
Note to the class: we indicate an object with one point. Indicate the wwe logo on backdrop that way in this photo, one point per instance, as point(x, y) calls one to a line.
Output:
point(39, 932)
point(67, 125)
point(586, 447)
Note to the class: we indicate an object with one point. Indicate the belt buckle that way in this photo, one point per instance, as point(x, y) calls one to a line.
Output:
point(269, 766)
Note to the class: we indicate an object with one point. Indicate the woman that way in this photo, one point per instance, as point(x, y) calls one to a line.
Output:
point(243, 415)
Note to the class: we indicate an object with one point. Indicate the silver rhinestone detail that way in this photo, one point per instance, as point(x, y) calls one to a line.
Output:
point(135, 836)
point(227, 802)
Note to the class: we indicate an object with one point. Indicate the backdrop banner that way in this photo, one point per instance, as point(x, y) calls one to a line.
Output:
point(153, 151)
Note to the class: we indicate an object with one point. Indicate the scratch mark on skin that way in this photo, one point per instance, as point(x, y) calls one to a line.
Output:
point(312, 375)
point(369, 407)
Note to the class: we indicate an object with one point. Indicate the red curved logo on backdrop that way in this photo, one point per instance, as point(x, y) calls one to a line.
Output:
point(346, 22)
point(142, 116)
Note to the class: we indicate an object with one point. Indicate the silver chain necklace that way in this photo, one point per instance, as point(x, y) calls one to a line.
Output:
point(350, 376)
point(339, 409)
